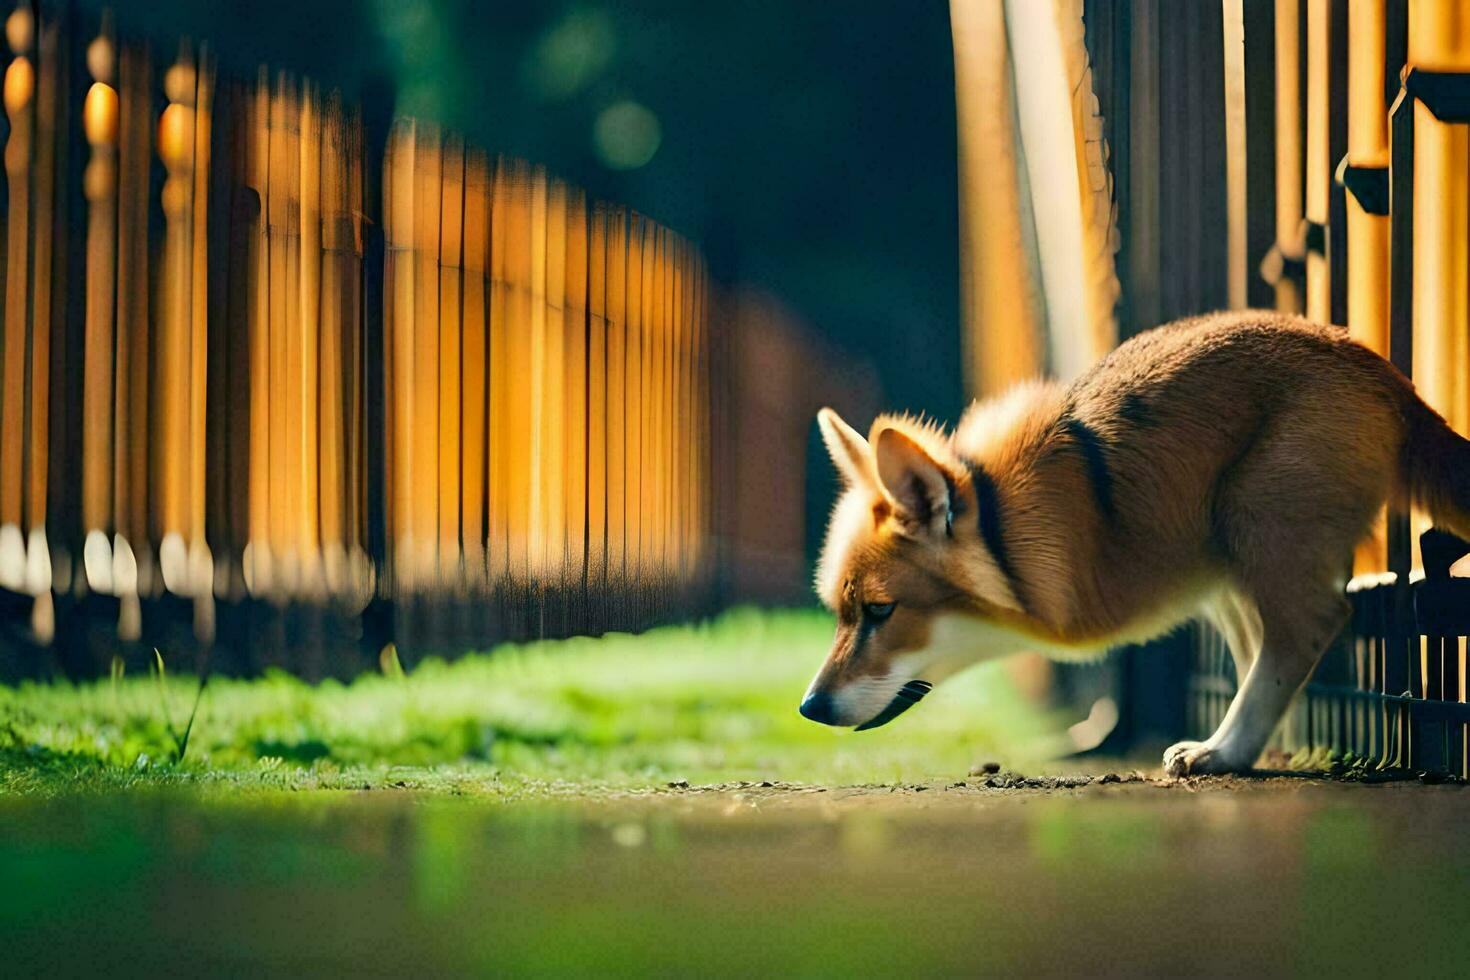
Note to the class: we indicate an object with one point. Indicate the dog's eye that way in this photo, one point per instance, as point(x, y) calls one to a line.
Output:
point(878, 610)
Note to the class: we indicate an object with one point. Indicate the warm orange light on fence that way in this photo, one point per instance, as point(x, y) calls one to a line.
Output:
point(1318, 163)
point(1367, 234)
point(99, 114)
point(1439, 39)
point(541, 376)
point(1288, 146)
point(101, 121)
point(568, 441)
point(1367, 136)
point(176, 135)
point(19, 89)
point(20, 84)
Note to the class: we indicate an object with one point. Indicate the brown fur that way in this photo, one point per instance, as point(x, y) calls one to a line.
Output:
point(1223, 465)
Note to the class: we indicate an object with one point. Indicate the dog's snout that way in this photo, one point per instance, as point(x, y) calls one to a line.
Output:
point(819, 707)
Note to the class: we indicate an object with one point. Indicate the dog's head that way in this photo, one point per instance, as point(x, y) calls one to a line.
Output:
point(917, 594)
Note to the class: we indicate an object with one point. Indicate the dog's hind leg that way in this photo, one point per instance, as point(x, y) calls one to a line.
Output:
point(1236, 619)
point(1287, 521)
point(1296, 632)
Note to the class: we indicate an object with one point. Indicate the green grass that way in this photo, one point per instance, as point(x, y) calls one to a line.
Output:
point(710, 703)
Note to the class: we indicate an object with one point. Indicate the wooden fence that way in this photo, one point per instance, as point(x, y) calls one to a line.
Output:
point(1314, 156)
point(286, 379)
point(1380, 246)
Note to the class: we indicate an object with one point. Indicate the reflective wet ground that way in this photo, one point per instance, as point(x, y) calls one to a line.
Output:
point(1281, 876)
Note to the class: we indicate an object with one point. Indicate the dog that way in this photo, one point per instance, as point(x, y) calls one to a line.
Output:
point(1220, 468)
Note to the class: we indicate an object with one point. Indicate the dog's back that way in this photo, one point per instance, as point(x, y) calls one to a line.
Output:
point(1146, 475)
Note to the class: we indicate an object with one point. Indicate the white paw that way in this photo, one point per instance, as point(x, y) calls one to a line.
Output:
point(1198, 759)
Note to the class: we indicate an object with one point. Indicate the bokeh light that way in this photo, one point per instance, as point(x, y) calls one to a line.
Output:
point(626, 135)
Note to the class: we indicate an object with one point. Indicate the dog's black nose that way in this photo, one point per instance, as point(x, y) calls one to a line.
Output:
point(818, 707)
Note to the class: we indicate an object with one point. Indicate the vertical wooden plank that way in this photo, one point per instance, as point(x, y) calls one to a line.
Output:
point(1233, 17)
point(690, 408)
point(400, 175)
point(656, 449)
point(705, 438)
point(233, 206)
point(672, 414)
point(1209, 162)
point(336, 248)
point(691, 405)
point(134, 363)
point(1145, 164)
point(1337, 111)
point(633, 402)
point(20, 86)
point(674, 337)
point(650, 475)
point(553, 353)
point(515, 457)
point(101, 121)
point(258, 312)
point(1318, 164)
point(1001, 335)
point(1367, 234)
point(497, 519)
point(43, 180)
point(200, 567)
point(308, 306)
point(678, 412)
point(1401, 352)
point(1439, 39)
point(1367, 135)
point(534, 460)
point(616, 393)
point(362, 344)
point(1178, 244)
point(452, 250)
point(277, 394)
point(66, 364)
point(574, 384)
point(473, 375)
point(1260, 111)
point(1402, 213)
point(427, 187)
point(294, 394)
point(1288, 143)
point(599, 368)
point(176, 153)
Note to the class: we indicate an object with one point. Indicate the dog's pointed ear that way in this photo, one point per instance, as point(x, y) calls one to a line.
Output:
point(850, 452)
point(919, 487)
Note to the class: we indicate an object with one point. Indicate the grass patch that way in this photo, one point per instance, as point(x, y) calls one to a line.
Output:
point(708, 703)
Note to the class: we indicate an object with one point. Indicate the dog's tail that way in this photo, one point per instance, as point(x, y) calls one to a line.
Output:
point(1435, 467)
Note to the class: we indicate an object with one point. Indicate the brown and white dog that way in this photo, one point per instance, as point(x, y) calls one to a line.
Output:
point(1219, 468)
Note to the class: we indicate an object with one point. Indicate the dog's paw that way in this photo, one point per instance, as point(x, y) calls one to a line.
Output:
point(1196, 759)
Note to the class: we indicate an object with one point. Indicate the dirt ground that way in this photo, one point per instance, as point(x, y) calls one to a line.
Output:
point(1112, 874)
